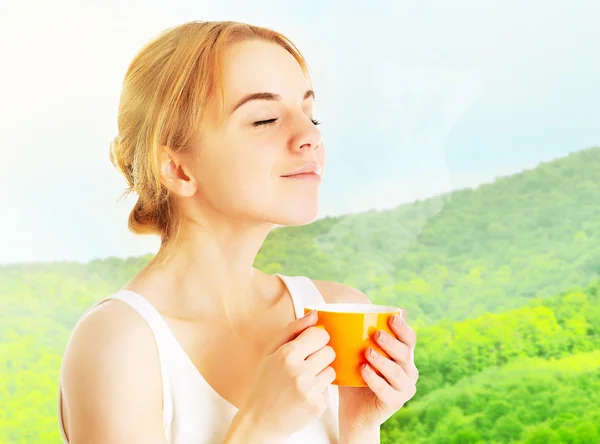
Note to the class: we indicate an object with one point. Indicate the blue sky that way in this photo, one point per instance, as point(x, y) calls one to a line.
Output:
point(416, 98)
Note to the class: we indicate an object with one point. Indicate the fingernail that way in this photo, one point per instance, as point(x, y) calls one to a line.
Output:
point(310, 313)
point(366, 368)
point(372, 353)
point(383, 336)
point(397, 320)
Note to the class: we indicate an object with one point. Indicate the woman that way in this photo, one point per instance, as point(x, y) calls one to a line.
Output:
point(215, 123)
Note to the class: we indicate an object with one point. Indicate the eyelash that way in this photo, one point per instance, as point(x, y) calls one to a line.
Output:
point(268, 122)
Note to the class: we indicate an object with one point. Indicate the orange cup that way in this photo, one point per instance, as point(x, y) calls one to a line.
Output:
point(351, 328)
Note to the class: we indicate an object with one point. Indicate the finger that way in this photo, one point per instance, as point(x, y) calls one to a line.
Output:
point(391, 371)
point(324, 378)
point(292, 330)
point(309, 341)
point(386, 394)
point(399, 352)
point(320, 359)
point(403, 331)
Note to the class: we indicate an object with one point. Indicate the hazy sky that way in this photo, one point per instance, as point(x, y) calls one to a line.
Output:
point(416, 98)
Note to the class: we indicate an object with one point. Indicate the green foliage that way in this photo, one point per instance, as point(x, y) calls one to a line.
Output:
point(532, 400)
point(548, 328)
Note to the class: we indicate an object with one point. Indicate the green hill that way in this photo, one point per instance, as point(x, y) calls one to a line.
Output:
point(458, 256)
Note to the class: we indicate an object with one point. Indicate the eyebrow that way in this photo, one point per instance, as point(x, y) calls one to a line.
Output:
point(267, 96)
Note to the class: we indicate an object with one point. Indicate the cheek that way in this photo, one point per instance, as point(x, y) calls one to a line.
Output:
point(253, 167)
point(241, 180)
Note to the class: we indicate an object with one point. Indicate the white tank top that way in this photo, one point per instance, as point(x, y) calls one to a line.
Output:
point(193, 412)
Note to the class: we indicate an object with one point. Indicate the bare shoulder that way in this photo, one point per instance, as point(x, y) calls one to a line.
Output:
point(110, 378)
point(336, 292)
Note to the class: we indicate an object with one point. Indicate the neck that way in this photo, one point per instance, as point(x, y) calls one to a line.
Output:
point(208, 273)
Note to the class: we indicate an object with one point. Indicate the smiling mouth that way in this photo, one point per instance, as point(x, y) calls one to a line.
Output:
point(308, 168)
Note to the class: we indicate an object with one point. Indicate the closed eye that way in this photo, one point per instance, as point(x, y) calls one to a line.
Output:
point(270, 121)
point(265, 122)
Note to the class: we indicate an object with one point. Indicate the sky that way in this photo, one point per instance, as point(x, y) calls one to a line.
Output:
point(416, 98)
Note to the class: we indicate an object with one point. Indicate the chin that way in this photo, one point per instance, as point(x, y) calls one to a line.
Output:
point(296, 213)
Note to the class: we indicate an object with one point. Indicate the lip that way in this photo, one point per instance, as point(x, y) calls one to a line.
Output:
point(310, 168)
point(304, 176)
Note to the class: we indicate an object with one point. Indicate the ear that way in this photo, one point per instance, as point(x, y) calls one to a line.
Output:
point(174, 174)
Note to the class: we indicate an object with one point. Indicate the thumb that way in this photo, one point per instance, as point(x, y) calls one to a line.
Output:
point(292, 330)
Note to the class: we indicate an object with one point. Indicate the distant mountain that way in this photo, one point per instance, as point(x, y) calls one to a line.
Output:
point(459, 255)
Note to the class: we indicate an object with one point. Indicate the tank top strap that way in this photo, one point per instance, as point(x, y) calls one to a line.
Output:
point(162, 335)
point(303, 291)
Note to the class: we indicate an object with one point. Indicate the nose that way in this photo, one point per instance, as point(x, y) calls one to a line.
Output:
point(307, 136)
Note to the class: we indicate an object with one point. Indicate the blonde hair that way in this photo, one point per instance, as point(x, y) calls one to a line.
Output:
point(165, 91)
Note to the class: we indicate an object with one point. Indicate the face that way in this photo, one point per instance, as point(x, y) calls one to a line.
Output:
point(238, 163)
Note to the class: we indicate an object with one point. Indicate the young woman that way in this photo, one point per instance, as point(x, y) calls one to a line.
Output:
point(217, 138)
